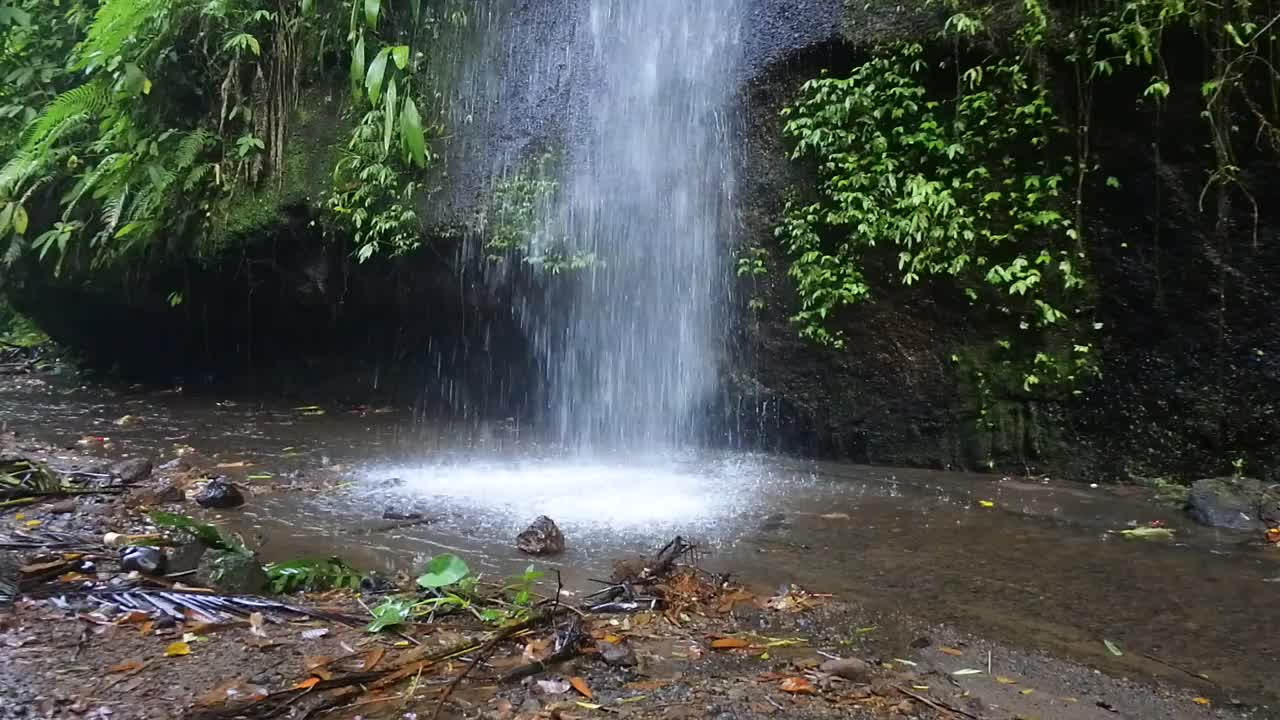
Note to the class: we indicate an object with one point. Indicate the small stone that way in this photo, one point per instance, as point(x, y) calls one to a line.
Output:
point(184, 558)
point(392, 513)
point(921, 642)
point(220, 493)
point(851, 669)
point(530, 706)
point(63, 507)
point(617, 654)
point(132, 470)
point(164, 620)
point(776, 521)
point(144, 559)
point(542, 537)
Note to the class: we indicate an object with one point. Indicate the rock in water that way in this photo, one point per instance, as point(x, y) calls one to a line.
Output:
point(541, 538)
point(146, 560)
point(233, 572)
point(132, 470)
point(851, 669)
point(220, 493)
point(1237, 503)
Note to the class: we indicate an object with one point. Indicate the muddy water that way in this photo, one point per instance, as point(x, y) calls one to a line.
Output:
point(1038, 570)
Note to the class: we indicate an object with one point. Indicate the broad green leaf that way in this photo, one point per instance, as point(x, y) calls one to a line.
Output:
point(373, 80)
point(20, 220)
point(443, 570)
point(307, 5)
point(371, 8)
point(400, 53)
point(411, 130)
point(389, 116)
point(357, 67)
point(6, 217)
point(392, 611)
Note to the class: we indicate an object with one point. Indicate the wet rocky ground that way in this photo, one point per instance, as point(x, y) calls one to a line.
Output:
point(754, 647)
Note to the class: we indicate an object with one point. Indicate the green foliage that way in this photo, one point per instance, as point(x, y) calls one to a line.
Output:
point(390, 612)
point(518, 224)
point(313, 575)
point(964, 187)
point(170, 117)
point(203, 532)
point(443, 570)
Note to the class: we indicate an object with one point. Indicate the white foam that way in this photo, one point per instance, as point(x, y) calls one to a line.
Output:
point(592, 495)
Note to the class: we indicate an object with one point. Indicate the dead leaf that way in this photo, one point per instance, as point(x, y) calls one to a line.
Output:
point(729, 643)
point(41, 567)
point(307, 684)
point(134, 617)
point(797, 685)
point(589, 706)
point(951, 651)
point(1200, 700)
point(648, 684)
point(834, 516)
point(581, 686)
point(986, 503)
point(256, 622)
point(232, 465)
point(1005, 680)
point(372, 658)
point(126, 666)
point(728, 601)
point(314, 633)
point(177, 649)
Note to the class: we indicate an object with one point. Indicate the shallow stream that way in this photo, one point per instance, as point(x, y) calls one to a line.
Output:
point(1039, 569)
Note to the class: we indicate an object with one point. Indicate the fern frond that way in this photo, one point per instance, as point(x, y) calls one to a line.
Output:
point(190, 147)
point(69, 108)
point(197, 174)
point(116, 23)
point(113, 211)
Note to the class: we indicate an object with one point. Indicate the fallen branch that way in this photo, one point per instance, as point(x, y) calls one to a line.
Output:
point(936, 704)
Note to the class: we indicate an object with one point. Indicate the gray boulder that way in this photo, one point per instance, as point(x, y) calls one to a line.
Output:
point(1234, 503)
point(132, 470)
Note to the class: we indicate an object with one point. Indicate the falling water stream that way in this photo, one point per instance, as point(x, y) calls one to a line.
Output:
point(648, 184)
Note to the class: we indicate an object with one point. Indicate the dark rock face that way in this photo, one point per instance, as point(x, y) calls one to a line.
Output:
point(221, 494)
point(542, 537)
point(1236, 503)
point(132, 471)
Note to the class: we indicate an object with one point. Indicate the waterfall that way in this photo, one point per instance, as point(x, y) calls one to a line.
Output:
point(633, 353)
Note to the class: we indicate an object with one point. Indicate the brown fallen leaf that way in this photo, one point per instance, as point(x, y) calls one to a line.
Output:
point(729, 643)
point(41, 567)
point(648, 684)
point(372, 658)
point(307, 684)
point(581, 686)
point(951, 651)
point(126, 666)
point(797, 686)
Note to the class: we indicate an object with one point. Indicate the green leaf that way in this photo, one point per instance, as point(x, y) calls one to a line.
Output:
point(389, 116)
point(204, 532)
point(400, 53)
point(371, 8)
point(411, 131)
point(307, 6)
point(392, 611)
point(20, 220)
point(443, 570)
point(357, 67)
point(373, 81)
point(1112, 648)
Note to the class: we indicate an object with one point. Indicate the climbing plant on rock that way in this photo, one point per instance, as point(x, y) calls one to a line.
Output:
point(969, 186)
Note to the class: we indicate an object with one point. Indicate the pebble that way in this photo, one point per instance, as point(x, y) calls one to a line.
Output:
point(220, 493)
point(63, 507)
point(619, 654)
point(543, 537)
point(851, 669)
